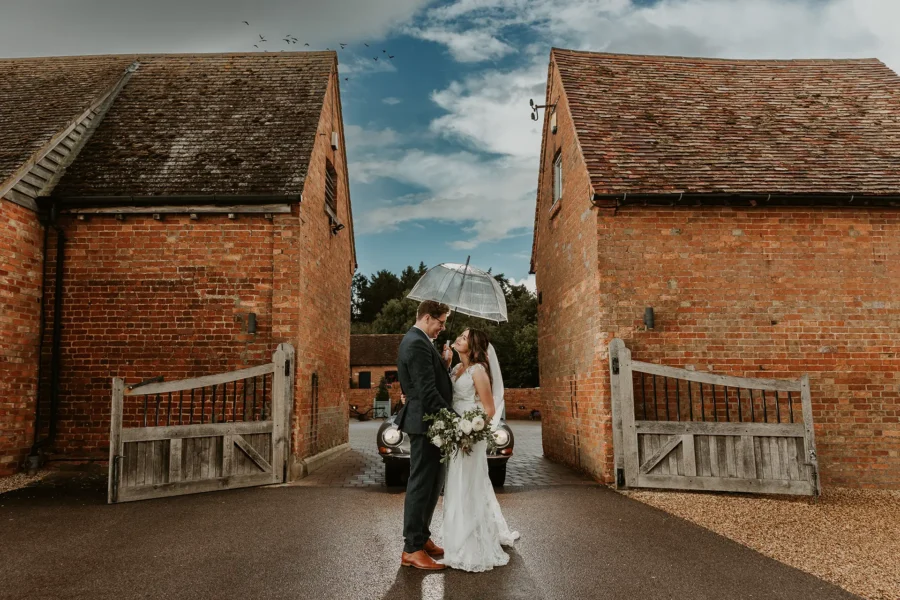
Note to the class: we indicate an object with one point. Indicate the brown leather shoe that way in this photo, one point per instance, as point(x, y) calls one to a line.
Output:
point(420, 560)
point(433, 550)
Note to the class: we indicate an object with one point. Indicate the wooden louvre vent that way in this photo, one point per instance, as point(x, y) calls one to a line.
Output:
point(331, 190)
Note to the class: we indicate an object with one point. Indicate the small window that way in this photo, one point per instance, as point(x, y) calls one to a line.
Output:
point(365, 380)
point(330, 190)
point(557, 177)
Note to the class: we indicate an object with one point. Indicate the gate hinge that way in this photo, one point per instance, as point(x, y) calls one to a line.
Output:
point(615, 366)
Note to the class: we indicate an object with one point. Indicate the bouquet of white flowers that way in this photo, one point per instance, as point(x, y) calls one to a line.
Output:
point(451, 432)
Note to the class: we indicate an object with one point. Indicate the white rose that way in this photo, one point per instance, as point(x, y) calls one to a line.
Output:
point(437, 441)
point(439, 425)
point(477, 424)
point(465, 426)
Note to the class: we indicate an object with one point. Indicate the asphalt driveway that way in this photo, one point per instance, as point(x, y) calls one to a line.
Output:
point(582, 541)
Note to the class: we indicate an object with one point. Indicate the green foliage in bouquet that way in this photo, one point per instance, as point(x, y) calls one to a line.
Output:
point(453, 433)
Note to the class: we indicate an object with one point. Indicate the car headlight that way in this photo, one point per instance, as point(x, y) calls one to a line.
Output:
point(501, 438)
point(392, 436)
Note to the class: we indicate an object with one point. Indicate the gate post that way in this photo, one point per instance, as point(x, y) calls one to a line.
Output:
point(615, 347)
point(115, 440)
point(620, 372)
point(282, 408)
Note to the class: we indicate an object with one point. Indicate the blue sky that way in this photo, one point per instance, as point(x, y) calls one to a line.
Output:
point(443, 157)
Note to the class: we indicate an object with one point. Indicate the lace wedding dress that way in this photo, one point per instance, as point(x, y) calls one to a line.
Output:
point(474, 527)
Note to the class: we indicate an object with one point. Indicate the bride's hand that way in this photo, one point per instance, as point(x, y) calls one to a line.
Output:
point(447, 354)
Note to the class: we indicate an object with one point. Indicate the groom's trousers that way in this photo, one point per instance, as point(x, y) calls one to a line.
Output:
point(426, 477)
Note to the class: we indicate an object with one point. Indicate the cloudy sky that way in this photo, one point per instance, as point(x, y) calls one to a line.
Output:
point(443, 156)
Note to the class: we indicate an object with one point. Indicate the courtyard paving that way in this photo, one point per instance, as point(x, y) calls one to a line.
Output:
point(362, 466)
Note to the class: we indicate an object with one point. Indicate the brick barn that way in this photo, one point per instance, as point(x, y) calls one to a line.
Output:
point(755, 207)
point(373, 356)
point(175, 215)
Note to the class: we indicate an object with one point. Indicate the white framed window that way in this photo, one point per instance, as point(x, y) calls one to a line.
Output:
point(557, 178)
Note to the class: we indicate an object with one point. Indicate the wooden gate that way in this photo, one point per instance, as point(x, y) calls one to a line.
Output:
point(199, 435)
point(680, 429)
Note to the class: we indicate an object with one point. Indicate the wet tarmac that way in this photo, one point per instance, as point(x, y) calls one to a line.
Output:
point(60, 540)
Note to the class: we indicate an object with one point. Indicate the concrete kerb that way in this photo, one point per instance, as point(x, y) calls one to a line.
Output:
point(307, 466)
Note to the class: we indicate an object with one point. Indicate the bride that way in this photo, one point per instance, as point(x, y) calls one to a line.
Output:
point(474, 528)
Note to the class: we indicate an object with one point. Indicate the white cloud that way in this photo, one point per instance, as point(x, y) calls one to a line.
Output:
point(361, 138)
point(490, 190)
point(529, 282)
point(490, 196)
point(391, 100)
point(471, 45)
point(489, 111)
point(58, 27)
point(364, 65)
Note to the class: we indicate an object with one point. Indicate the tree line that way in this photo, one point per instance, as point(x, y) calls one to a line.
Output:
point(380, 306)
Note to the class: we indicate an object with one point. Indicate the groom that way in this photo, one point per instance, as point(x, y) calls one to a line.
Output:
point(426, 383)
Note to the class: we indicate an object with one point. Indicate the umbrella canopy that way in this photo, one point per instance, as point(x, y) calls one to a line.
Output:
point(463, 288)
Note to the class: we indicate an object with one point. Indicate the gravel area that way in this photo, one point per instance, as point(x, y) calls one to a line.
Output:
point(20, 480)
point(848, 537)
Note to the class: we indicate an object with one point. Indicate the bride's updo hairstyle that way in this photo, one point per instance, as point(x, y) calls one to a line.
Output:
point(478, 350)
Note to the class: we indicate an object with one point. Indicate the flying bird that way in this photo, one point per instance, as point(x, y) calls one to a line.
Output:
point(375, 58)
point(255, 46)
point(246, 23)
point(306, 44)
point(390, 56)
point(365, 44)
point(262, 39)
point(385, 51)
point(343, 45)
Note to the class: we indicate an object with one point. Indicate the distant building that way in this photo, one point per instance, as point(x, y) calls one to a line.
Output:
point(373, 357)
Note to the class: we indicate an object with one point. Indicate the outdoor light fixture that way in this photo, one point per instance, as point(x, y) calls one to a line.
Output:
point(648, 317)
point(251, 323)
point(336, 227)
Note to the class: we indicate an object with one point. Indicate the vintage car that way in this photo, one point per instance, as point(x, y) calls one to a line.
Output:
point(393, 446)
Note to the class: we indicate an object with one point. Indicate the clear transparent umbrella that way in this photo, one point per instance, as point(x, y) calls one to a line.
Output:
point(463, 288)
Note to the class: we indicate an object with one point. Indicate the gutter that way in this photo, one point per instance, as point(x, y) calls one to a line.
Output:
point(744, 200)
point(34, 460)
point(214, 199)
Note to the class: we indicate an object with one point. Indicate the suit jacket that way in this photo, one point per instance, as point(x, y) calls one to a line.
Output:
point(424, 379)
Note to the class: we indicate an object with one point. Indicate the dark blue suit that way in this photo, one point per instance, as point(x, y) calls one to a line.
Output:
point(426, 383)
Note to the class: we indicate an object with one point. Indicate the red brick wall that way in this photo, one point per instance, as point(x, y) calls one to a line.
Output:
point(145, 298)
point(574, 383)
point(21, 240)
point(376, 372)
point(327, 263)
point(521, 401)
point(771, 292)
point(171, 297)
point(365, 399)
point(774, 293)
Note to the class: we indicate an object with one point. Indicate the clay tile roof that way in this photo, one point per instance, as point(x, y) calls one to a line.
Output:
point(654, 124)
point(379, 350)
point(207, 124)
point(39, 97)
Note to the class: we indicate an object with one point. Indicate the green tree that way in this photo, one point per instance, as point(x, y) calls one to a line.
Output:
point(397, 316)
point(359, 289)
point(382, 395)
point(381, 288)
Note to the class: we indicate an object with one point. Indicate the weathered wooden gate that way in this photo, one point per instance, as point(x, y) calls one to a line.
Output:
point(199, 435)
point(681, 429)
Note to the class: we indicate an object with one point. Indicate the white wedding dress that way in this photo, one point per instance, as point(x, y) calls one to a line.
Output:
point(474, 527)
